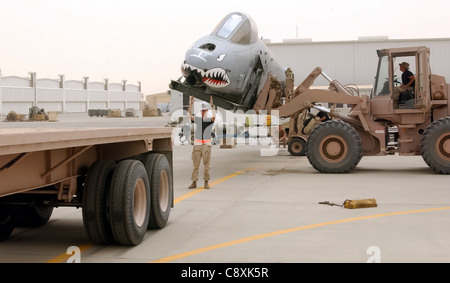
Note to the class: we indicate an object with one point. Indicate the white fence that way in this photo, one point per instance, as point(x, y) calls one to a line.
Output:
point(19, 94)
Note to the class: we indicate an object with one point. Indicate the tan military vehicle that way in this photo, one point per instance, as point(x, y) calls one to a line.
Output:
point(393, 119)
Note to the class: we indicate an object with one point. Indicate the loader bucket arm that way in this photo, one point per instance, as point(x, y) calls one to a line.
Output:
point(310, 96)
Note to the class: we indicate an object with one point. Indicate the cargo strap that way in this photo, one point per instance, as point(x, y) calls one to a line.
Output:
point(332, 204)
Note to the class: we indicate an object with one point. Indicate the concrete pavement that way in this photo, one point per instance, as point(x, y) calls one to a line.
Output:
point(265, 209)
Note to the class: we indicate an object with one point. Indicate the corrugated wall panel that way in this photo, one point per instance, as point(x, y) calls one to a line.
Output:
point(17, 94)
point(352, 62)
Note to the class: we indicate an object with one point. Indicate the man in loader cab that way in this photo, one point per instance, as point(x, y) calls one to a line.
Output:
point(408, 78)
point(408, 84)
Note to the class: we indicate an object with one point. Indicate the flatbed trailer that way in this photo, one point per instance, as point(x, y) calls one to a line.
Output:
point(122, 178)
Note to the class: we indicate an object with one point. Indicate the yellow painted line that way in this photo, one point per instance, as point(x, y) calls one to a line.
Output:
point(64, 257)
point(262, 236)
point(196, 191)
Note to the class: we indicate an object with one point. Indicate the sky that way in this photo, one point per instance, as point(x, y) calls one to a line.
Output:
point(143, 40)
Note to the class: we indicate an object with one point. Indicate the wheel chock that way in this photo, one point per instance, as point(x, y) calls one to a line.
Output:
point(352, 204)
point(365, 203)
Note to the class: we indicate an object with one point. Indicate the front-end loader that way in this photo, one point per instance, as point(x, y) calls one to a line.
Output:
point(393, 119)
point(386, 122)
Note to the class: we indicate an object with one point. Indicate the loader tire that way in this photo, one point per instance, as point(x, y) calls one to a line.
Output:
point(129, 201)
point(95, 202)
point(435, 146)
point(297, 146)
point(161, 189)
point(334, 147)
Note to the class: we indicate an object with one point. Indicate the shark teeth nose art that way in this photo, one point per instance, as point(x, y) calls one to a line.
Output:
point(216, 78)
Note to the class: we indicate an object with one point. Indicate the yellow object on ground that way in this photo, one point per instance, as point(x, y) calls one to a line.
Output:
point(352, 204)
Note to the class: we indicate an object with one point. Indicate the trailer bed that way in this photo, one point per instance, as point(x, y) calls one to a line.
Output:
point(120, 177)
point(19, 140)
point(33, 158)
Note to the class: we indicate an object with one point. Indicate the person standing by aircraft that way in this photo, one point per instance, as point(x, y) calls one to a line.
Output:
point(282, 136)
point(202, 141)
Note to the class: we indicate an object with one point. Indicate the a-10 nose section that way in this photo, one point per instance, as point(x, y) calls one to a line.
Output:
point(215, 78)
point(202, 66)
point(232, 64)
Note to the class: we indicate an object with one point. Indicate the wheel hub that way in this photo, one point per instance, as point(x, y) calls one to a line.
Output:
point(443, 146)
point(140, 205)
point(164, 191)
point(297, 147)
point(333, 148)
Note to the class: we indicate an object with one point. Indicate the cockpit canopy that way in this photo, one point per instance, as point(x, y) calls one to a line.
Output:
point(238, 28)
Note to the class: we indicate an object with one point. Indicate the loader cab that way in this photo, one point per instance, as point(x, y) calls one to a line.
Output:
point(388, 98)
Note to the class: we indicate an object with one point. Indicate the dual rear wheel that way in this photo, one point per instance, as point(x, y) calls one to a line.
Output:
point(122, 200)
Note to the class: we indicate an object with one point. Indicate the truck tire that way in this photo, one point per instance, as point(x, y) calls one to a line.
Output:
point(435, 146)
point(34, 215)
point(95, 202)
point(161, 189)
point(297, 146)
point(129, 201)
point(334, 147)
point(7, 221)
point(5, 230)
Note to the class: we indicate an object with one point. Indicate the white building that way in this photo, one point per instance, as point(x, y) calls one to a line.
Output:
point(19, 94)
point(352, 62)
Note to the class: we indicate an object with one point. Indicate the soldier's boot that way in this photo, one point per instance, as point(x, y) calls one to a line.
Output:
point(193, 186)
